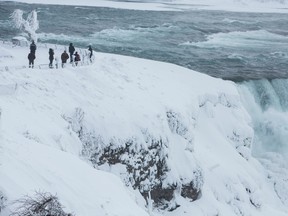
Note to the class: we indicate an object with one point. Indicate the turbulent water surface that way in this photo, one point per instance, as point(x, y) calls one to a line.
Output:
point(229, 45)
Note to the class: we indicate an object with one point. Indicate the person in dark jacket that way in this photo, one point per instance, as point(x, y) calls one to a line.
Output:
point(33, 47)
point(51, 57)
point(71, 51)
point(31, 58)
point(77, 58)
point(90, 52)
point(64, 58)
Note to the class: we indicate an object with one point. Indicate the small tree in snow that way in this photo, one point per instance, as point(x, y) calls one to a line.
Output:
point(41, 204)
point(28, 25)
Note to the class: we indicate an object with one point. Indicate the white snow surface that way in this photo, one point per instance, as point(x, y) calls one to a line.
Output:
point(121, 96)
point(271, 6)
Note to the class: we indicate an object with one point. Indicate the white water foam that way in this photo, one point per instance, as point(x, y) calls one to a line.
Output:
point(267, 104)
point(257, 39)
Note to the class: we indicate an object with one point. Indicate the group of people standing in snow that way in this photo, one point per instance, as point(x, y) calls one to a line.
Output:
point(74, 56)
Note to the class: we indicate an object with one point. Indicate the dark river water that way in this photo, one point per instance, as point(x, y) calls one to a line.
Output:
point(229, 45)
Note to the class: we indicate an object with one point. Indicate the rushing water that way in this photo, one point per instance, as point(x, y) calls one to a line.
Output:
point(229, 45)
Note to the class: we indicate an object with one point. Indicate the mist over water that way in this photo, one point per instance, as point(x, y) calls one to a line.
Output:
point(235, 46)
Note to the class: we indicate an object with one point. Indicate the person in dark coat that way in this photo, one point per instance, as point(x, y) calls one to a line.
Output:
point(51, 57)
point(33, 47)
point(71, 51)
point(77, 58)
point(31, 58)
point(90, 52)
point(64, 58)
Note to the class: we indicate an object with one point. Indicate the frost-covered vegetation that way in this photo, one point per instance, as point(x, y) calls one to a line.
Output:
point(40, 204)
point(29, 25)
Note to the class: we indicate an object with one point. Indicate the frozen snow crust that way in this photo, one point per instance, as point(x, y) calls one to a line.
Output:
point(164, 130)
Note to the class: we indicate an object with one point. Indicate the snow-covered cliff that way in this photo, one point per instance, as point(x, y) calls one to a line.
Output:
point(179, 141)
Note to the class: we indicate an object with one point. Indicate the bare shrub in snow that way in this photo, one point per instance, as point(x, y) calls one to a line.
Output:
point(93, 146)
point(3, 200)
point(242, 141)
point(76, 121)
point(177, 125)
point(41, 204)
point(255, 198)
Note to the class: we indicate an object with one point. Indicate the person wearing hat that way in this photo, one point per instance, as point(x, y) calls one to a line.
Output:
point(64, 58)
point(90, 52)
point(51, 57)
point(31, 58)
point(77, 58)
point(71, 51)
point(33, 47)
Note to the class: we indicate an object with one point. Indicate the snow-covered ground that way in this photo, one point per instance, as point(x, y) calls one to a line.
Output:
point(272, 6)
point(203, 128)
point(200, 119)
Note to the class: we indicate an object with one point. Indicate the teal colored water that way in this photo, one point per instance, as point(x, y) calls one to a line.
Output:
point(229, 45)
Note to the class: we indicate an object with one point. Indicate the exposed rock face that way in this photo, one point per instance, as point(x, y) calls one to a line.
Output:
point(147, 171)
point(190, 191)
point(158, 194)
point(142, 165)
point(146, 159)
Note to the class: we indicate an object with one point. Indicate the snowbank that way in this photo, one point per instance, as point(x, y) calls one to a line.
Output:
point(199, 119)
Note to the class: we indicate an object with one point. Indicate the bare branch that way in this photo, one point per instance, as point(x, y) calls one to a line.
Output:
point(41, 204)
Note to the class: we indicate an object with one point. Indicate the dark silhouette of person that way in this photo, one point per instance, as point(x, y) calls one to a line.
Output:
point(90, 52)
point(51, 57)
point(71, 51)
point(64, 58)
point(33, 47)
point(77, 58)
point(31, 58)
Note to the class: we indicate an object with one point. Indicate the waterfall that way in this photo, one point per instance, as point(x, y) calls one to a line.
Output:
point(267, 103)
